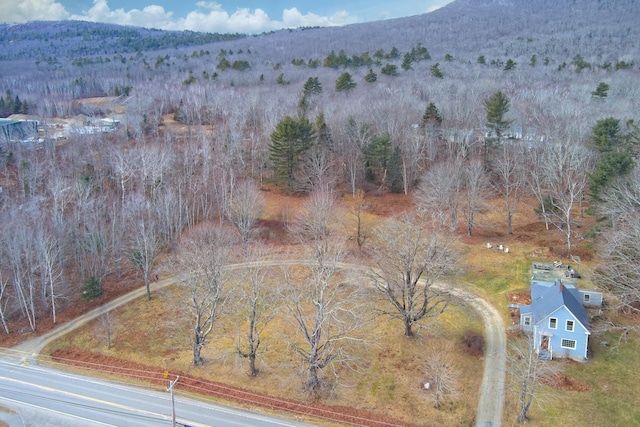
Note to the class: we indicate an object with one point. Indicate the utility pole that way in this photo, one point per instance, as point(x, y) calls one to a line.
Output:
point(173, 402)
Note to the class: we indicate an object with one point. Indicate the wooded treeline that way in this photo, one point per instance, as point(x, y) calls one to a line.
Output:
point(94, 206)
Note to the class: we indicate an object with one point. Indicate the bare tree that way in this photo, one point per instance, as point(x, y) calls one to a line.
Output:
point(509, 178)
point(526, 371)
point(357, 210)
point(243, 207)
point(323, 310)
point(107, 326)
point(48, 248)
point(145, 240)
point(19, 248)
point(438, 194)
point(202, 256)
point(477, 190)
point(355, 138)
point(3, 301)
point(408, 261)
point(618, 271)
point(441, 373)
point(566, 167)
point(260, 304)
point(536, 180)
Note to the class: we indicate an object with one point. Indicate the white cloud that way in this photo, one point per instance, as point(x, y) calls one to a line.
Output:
point(31, 10)
point(438, 4)
point(151, 16)
point(218, 20)
point(245, 20)
point(210, 16)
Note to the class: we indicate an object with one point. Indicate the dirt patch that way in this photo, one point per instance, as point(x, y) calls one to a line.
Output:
point(519, 297)
point(564, 382)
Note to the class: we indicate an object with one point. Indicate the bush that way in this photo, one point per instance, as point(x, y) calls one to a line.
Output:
point(91, 289)
point(473, 343)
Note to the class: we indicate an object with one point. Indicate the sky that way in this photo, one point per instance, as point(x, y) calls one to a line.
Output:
point(223, 16)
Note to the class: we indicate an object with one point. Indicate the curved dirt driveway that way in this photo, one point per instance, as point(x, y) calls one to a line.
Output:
point(491, 393)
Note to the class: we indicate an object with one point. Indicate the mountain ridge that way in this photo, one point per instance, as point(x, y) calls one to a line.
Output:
point(598, 29)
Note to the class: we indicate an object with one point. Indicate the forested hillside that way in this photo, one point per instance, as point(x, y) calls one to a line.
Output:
point(480, 99)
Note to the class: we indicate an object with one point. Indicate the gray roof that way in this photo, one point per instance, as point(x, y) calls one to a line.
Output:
point(549, 298)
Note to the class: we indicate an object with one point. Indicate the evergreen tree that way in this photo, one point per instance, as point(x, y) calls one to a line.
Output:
point(393, 54)
point(431, 115)
point(289, 141)
point(482, 60)
point(606, 135)
point(323, 133)
point(406, 62)
point(617, 154)
point(601, 90)
point(395, 176)
point(611, 165)
point(345, 82)
point(497, 106)
point(510, 65)
point(580, 63)
point(435, 71)
point(371, 76)
point(312, 87)
point(281, 80)
point(533, 61)
point(389, 70)
point(377, 156)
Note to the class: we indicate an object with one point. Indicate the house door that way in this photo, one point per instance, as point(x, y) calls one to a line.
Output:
point(544, 342)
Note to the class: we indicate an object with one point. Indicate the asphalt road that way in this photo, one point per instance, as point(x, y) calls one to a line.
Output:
point(490, 404)
point(48, 397)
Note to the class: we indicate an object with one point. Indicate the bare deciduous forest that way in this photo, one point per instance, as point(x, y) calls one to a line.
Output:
point(146, 136)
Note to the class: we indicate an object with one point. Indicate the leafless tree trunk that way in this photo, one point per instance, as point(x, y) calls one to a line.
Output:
point(355, 138)
point(20, 251)
point(537, 181)
point(526, 370)
point(408, 262)
point(146, 242)
point(50, 269)
point(362, 229)
point(441, 373)
point(106, 324)
point(438, 194)
point(618, 271)
point(509, 180)
point(565, 167)
point(243, 207)
point(323, 311)
point(477, 189)
point(202, 257)
point(3, 302)
point(260, 304)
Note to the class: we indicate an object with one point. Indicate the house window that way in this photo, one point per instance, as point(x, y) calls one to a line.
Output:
point(553, 323)
point(570, 344)
point(586, 298)
point(569, 326)
point(527, 321)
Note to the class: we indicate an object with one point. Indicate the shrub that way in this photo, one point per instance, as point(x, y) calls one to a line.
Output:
point(91, 289)
point(473, 343)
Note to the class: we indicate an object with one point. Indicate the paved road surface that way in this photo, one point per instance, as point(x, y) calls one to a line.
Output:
point(47, 397)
